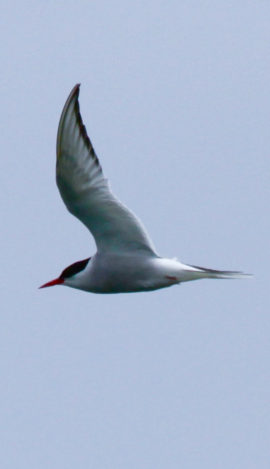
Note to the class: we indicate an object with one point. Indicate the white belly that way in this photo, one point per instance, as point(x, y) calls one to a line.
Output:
point(125, 273)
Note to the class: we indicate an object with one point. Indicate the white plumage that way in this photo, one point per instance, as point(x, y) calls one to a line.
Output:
point(126, 260)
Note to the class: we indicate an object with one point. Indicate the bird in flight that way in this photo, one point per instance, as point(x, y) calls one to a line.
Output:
point(126, 260)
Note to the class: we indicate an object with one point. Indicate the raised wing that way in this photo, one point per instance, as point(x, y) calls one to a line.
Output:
point(86, 192)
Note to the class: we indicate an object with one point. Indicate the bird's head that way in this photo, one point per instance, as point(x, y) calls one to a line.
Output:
point(68, 273)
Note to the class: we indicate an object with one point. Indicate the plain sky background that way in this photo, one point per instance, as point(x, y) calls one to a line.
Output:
point(175, 97)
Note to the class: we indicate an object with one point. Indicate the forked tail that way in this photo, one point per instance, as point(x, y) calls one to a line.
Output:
point(211, 273)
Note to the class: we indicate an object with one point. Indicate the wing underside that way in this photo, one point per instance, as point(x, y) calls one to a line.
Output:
point(86, 192)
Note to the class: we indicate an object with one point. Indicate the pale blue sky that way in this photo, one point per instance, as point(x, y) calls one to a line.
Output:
point(175, 97)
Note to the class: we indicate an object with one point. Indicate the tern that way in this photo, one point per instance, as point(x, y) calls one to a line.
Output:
point(126, 260)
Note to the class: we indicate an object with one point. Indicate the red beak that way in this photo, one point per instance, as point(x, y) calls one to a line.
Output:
point(56, 281)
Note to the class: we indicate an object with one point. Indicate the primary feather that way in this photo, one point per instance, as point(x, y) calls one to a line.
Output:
point(86, 192)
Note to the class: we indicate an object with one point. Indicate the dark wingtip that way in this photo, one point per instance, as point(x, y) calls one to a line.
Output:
point(75, 91)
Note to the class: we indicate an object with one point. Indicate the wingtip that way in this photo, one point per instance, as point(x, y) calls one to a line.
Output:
point(73, 97)
point(75, 91)
point(73, 94)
